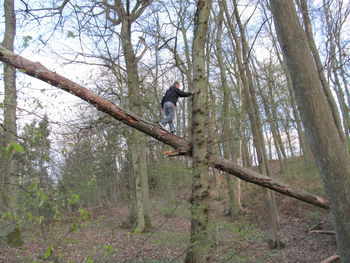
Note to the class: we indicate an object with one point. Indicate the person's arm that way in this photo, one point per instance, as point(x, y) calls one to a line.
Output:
point(181, 93)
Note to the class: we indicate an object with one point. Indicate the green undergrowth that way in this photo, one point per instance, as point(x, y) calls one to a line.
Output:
point(98, 239)
point(101, 241)
point(170, 238)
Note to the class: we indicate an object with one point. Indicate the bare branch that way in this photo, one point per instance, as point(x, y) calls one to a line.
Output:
point(142, 41)
point(116, 10)
point(136, 12)
point(322, 232)
point(330, 259)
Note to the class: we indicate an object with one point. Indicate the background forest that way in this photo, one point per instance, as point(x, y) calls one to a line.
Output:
point(77, 185)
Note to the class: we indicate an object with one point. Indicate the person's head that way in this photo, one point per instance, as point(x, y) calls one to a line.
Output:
point(176, 84)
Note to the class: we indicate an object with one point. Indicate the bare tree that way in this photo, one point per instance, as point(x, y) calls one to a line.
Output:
point(124, 15)
point(226, 131)
point(302, 141)
point(251, 106)
point(309, 32)
point(334, 26)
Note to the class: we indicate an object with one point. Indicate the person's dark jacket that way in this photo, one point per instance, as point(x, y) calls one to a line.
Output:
point(172, 94)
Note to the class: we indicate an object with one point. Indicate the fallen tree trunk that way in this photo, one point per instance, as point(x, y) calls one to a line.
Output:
point(181, 145)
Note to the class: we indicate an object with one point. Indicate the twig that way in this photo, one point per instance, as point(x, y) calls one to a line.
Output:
point(315, 227)
point(165, 43)
point(323, 232)
point(256, 36)
point(236, 252)
point(179, 255)
point(31, 194)
point(142, 41)
point(330, 259)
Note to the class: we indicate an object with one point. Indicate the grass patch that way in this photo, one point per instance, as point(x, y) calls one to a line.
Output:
point(239, 230)
point(305, 176)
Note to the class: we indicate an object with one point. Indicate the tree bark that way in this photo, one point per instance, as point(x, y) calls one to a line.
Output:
point(226, 134)
point(218, 190)
point(320, 67)
point(8, 176)
point(181, 145)
point(302, 141)
point(258, 137)
point(271, 114)
point(137, 142)
point(10, 104)
point(328, 148)
point(333, 38)
point(200, 242)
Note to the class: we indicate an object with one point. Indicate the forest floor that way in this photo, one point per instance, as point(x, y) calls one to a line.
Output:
point(100, 239)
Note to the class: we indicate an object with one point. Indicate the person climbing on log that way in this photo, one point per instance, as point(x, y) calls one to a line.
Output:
point(168, 104)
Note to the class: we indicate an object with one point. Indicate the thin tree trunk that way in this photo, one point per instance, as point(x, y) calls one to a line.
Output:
point(258, 138)
point(218, 189)
point(272, 120)
point(241, 159)
point(138, 140)
point(226, 131)
point(346, 102)
point(289, 139)
point(302, 141)
point(320, 67)
point(331, 155)
point(332, 38)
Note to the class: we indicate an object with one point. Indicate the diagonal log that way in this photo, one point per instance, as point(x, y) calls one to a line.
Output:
point(181, 145)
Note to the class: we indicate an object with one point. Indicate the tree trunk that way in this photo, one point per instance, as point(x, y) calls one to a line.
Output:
point(241, 158)
point(333, 37)
point(270, 111)
point(218, 188)
point(226, 133)
point(10, 104)
point(8, 175)
point(200, 244)
point(218, 191)
point(302, 141)
point(138, 140)
point(181, 145)
point(258, 138)
point(320, 67)
point(328, 148)
point(289, 139)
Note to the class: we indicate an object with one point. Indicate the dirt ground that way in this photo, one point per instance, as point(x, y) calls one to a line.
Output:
point(242, 239)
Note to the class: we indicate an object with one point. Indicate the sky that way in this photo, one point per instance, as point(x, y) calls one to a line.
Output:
point(39, 97)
